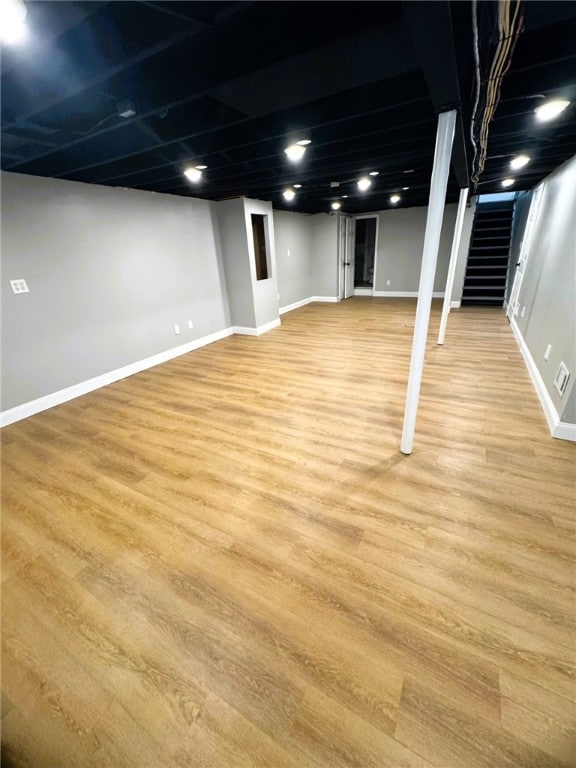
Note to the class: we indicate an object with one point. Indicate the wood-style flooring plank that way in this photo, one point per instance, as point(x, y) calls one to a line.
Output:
point(226, 562)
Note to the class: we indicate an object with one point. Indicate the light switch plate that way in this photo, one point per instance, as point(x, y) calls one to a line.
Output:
point(19, 286)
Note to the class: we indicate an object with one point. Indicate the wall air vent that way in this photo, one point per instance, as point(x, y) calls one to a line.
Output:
point(561, 379)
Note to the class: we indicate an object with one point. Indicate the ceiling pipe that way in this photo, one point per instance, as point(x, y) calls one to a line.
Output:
point(438, 186)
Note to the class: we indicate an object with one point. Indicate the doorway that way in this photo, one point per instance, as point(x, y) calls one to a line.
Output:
point(365, 253)
point(346, 228)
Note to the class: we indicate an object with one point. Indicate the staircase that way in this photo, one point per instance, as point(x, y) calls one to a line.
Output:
point(485, 280)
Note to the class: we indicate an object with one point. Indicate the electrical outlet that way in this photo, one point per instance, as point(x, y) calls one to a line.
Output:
point(176, 329)
point(190, 325)
point(387, 282)
point(19, 286)
point(561, 378)
point(547, 353)
point(288, 251)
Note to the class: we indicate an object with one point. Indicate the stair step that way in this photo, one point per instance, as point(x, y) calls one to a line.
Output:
point(484, 302)
point(488, 257)
point(486, 225)
point(493, 247)
point(492, 237)
point(484, 295)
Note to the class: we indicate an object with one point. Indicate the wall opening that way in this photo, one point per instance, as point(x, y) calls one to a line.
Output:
point(261, 250)
point(365, 252)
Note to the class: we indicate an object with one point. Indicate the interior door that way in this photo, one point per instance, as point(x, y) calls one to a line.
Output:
point(349, 257)
point(513, 307)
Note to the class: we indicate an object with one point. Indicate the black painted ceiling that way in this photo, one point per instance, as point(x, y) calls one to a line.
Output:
point(230, 84)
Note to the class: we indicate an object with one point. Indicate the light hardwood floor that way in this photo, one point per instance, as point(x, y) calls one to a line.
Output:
point(225, 561)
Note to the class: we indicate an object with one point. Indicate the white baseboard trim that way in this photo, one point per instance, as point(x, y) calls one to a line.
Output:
point(303, 302)
point(258, 331)
point(455, 304)
point(406, 294)
point(558, 429)
point(295, 305)
point(363, 291)
point(565, 431)
point(77, 390)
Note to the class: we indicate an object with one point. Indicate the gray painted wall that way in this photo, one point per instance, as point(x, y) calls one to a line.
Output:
point(568, 416)
point(400, 243)
point(311, 269)
point(548, 291)
point(264, 292)
point(232, 238)
point(521, 209)
point(324, 255)
point(294, 256)
point(110, 271)
point(252, 302)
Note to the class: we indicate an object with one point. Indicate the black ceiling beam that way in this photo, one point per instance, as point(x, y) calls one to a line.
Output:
point(351, 138)
point(370, 46)
point(125, 144)
point(433, 38)
point(99, 74)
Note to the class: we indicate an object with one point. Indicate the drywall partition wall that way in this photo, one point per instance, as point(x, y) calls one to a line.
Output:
point(519, 219)
point(568, 416)
point(293, 233)
point(264, 292)
point(324, 257)
point(233, 245)
point(548, 294)
point(399, 251)
point(110, 271)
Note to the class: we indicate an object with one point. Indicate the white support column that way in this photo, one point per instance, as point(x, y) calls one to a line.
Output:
point(438, 184)
point(453, 262)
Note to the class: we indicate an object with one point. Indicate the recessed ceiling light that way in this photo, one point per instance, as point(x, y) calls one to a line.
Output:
point(297, 186)
point(405, 189)
point(295, 152)
point(550, 109)
point(411, 170)
point(364, 183)
point(519, 161)
point(193, 174)
point(288, 195)
point(335, 205)
point(507, 182)
point(201, 167)
point(374, 173)
point(12, 21)
point(303, 142)
point(343, 196)
point(394, 199)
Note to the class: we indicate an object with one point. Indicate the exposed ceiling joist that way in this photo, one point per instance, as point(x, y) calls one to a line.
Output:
point(433, 38)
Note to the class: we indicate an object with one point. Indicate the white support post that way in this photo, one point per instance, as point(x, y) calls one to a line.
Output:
point(453, 263)
point(438, 184)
